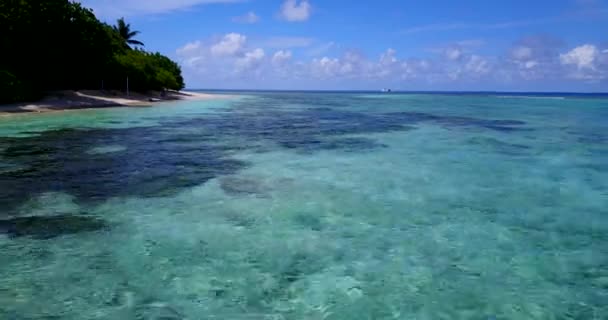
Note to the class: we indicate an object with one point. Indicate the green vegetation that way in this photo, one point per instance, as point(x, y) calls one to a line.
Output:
point(58, 45)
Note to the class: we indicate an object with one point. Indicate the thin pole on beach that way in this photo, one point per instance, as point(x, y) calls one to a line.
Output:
point(128, 94)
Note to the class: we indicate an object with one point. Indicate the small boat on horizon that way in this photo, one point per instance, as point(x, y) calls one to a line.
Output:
point(386, 90)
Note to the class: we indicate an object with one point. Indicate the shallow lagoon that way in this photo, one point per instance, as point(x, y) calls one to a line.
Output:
point(308, 206)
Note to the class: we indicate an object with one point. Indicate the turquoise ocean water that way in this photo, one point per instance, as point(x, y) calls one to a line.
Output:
point(308, 206)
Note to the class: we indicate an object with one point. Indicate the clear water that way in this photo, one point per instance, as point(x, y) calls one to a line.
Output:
point(308, 206)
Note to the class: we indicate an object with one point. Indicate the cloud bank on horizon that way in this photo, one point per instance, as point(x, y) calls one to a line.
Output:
point(308, 44)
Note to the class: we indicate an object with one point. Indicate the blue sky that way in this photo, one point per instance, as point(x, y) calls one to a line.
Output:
point(514, 45)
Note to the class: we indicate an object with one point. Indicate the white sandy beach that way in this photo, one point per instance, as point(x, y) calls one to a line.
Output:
point(91, 99)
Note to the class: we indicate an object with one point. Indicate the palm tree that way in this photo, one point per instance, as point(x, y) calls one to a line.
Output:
point(124, 30)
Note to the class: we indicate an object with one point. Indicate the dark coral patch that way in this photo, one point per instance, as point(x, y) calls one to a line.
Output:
point(46, 227)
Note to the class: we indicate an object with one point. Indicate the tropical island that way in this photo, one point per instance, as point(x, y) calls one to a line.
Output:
point(60, 49)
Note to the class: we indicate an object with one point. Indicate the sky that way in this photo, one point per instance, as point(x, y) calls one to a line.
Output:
point(468, 45)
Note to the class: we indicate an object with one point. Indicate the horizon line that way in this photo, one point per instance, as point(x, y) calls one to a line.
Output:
point(399, 91)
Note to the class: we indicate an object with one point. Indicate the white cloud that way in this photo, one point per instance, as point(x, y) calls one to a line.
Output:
point(530, 64)
point(233, 60)
point(453, 54)
point(388, 58)
point(414, 68)
point(281, 57)
point(532, 58)
point(521, 53)
point(457, 51)
point(583, 57)
point(232, 57)
point(351, 64)
point(250, 60)
point(189, 48)
point(387, 65)
point(226, 57)
point(525, 61)
point(325, 67)
point(112, 9)
point(248, 18)
point(477, 65)
point(296, 11)
point(231, 44)
point(586, 62)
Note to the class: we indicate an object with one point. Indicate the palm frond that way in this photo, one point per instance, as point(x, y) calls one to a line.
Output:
point(125, 32)
point(132, 34)
point(136, 42)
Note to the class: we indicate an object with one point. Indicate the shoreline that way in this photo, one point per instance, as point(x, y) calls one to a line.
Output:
point(60, 101)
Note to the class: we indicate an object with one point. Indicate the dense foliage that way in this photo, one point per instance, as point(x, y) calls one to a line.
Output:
point(58, 44)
